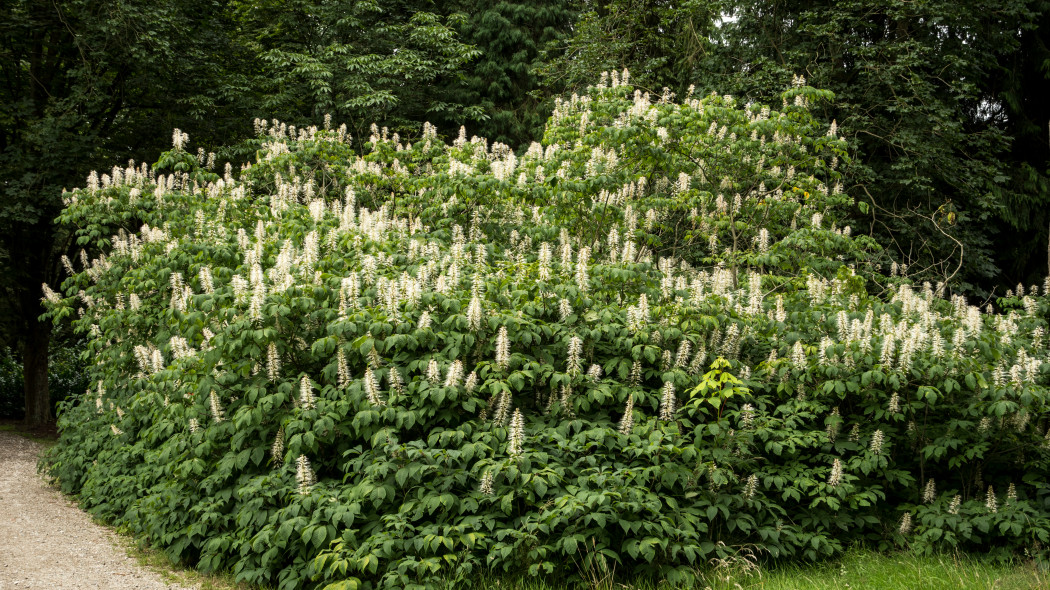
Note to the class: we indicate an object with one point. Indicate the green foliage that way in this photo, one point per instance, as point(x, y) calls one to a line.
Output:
point(378, 60)
point(67, 377)
point(426, 361)
point(935, 99)
point(929, 99)
point(716, 387)
point(502, 80)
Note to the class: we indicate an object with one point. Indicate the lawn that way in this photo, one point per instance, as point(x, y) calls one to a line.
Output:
point(858, 569)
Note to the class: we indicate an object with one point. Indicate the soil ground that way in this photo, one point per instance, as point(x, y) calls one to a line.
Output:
point(46, 542)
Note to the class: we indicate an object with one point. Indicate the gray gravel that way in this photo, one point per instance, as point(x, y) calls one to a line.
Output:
point(47, 543)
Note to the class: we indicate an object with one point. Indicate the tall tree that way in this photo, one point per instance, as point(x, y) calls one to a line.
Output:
point(1019, 85)
point(939, 100)
point(660, 42)
point(86, 82)
point(503, 81)
point(388, 62)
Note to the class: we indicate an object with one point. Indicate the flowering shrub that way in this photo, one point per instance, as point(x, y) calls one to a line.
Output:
point(646, 342)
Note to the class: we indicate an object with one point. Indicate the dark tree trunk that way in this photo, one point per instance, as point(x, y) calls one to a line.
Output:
point(36, 334)
point(34, 368)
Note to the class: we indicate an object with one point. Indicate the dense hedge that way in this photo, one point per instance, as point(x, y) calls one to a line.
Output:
point(647, 342)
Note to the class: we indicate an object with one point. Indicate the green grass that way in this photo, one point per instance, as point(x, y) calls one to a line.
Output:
point(43, 437)
point(857, 570)
point(172, 573)
point(870, 570)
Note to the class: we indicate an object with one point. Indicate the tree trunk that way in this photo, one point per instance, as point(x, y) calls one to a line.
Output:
point(36, 334)
point(34, 369)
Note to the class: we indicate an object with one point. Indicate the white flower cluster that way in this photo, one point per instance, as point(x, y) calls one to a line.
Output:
point(455, 374)
point(307, 401)
point(216, 407)
point(304, 475)
point(371, 384)
point(516, 436)
point(638, 315)
point(668, 402)
point(574, 363)
point(835, 477)
point(277, 449)
point(502, 349)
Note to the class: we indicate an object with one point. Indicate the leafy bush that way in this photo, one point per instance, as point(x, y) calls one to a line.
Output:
point(67, 377)
point(12, 395)
point(643, 343)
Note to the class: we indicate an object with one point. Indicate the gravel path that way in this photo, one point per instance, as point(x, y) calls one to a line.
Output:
point(47, 543)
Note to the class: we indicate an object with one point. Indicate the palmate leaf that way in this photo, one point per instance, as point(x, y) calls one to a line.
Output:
point(424, 360)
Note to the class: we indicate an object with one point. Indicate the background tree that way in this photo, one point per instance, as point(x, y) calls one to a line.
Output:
point(930, 96)
point(503, 81)
point(660, 42)
point(87, 83)
point(388, 62)
point(1020, 82)
point(939, 100)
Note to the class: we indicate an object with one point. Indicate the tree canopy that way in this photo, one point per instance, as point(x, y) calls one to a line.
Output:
point(87, 83)
point(935, 98)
